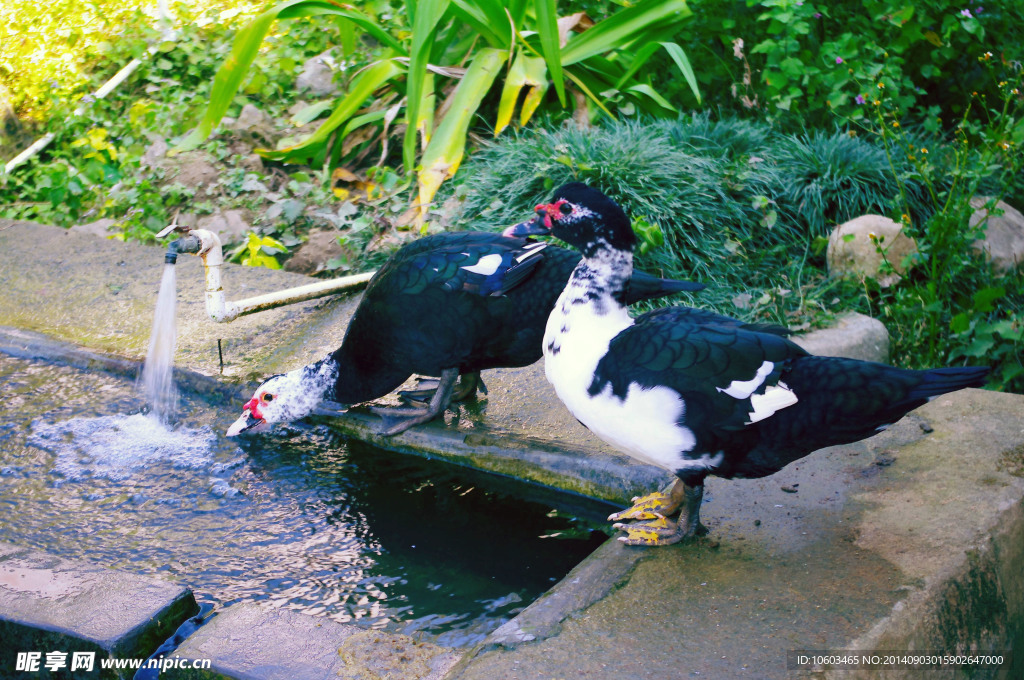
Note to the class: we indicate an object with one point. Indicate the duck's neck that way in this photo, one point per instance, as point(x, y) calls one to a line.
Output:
point(320, 378)
point(361, 373)
point(591, 310)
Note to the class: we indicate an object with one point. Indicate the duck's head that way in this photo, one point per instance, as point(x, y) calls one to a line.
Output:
point(283, 398)
point(583, 217)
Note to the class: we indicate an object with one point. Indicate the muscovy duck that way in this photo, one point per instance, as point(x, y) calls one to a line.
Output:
point(444, 305)
point(695, 392)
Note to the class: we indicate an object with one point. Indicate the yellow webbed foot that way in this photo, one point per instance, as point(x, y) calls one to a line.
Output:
point(659, 531)
point(650, 506)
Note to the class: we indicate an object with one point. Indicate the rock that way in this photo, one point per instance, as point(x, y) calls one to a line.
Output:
point(229, 225)
point(854, 336)
point(313, 255)
point(50, 603)
point(99, 228)
point(195, 170)
point(317, 76)
point(252, 117)
point(853, 248)
point(1003, 244)
point(155, 154)
point(11, 129)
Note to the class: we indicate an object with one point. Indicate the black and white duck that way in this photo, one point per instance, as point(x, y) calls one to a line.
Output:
point(444, 305)
point(694, 392)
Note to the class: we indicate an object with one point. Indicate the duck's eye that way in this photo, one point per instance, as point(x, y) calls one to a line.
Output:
point(268, 397)
point(565, 208)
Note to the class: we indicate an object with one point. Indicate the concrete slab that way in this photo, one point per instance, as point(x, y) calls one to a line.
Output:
point(908, 541)
point(248, 642)
point(50, 604)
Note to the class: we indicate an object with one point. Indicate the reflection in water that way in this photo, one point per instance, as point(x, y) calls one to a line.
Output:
point(300, 519)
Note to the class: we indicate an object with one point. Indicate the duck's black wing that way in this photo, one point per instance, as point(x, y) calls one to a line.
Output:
point(727, 375)
point(478, 263)
point(714, 363)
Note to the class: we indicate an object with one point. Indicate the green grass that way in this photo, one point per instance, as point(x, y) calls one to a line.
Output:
point(738, 203)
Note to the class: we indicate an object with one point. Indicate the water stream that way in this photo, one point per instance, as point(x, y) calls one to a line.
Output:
point(157, 379)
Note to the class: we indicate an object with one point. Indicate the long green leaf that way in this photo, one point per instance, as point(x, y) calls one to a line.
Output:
point(310, 8)
point(648, 91)
point(245, 48)
point(678, 56)
point(363, 86)
point(425, 117)
point(640, 58)
point(444, 153)
point(473, 16)
point(547, 30)
point(428, 14)
point(626, 24)
point(517, 9)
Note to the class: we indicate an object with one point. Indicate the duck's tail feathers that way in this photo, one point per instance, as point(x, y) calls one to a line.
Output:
point(938, 381)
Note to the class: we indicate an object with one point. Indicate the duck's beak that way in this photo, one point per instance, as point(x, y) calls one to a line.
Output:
point(538, 226)
point(250, 421)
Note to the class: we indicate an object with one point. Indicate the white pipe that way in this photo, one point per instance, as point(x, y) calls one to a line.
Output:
point(222, 310)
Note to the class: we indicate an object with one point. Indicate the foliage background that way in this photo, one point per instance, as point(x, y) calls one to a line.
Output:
point(811, 112)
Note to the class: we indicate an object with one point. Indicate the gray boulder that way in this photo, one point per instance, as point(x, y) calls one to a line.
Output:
point(853, 249)
point(317, 76)
point(854, 336)
point(1003, 244)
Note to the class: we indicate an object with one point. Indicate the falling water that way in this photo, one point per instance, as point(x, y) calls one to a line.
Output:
point(157, 382)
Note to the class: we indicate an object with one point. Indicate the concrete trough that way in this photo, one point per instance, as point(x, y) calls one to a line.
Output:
point(49, 604)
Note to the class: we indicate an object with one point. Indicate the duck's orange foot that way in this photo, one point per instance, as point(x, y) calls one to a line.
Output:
point(650, 506)
point(659, 531)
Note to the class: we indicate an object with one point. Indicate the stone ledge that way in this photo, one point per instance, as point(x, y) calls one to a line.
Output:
point(49, 603)
point(248, 642)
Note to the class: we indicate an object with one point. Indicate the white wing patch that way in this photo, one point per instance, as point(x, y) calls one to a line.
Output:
point(775, 398)
point(741, 389)
point(487, 265)
point(530, 249)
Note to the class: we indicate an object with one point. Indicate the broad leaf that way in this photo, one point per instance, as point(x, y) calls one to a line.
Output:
point(364, 85)
point(621, 27)
point(444, 153)
point(528, 72)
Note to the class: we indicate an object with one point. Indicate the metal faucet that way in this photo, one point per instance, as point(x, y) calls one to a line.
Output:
point(206, 245)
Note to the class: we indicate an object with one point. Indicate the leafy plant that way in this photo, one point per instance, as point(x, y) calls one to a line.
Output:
point(434, 42)
point(955, 306)
point(260, 251)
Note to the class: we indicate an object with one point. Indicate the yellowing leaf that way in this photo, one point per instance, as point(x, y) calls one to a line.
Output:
point(444, 153)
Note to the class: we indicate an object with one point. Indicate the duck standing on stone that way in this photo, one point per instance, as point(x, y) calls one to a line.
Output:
point(694, 392)
point(444, 305)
